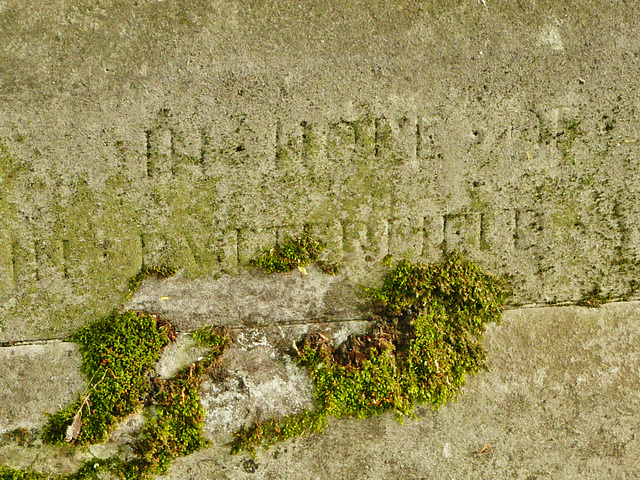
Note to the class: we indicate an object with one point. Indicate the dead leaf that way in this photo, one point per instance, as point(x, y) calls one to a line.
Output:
point(73, 430)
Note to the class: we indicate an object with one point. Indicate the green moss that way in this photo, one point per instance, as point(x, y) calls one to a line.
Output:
point(174, 424)
point(95, 470)
point(117, 352)
point(427, 336)
point(278, 430)
point(211, 336)
point(21, 436)
point(12, 474)
point(175, 420)
point(162, 271)
point(295, 252)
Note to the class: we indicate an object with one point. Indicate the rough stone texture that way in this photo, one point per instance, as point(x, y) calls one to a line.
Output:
point(178, 355)
point(252, 299)
point(259, 383)
point(198, 133)
point(35, 379)
point(560, 401)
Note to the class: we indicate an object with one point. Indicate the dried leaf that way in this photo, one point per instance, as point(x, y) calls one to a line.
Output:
point(73, 430)
point(303, 270)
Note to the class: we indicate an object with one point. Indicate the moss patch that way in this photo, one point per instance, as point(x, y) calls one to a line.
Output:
point(12, 474)
point(131, 342)
point(176, 417)
point(117, 352)
point(162, 271)
point(427, 336)
point(295, 252)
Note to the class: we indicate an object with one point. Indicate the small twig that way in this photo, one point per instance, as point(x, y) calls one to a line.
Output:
point(73, 430)
point(484, 449)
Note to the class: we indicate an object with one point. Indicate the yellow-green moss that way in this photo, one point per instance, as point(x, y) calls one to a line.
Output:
point(427, 336)
point(293, 253)
point(117, 352)
point(176, 417)
point(13, 474)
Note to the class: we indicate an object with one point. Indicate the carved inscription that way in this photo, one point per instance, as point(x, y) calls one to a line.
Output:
point(288, 144)
point(48, 254)
point(366, 239)
point(352, 154)
point(159, 152)
point(65, 258)
point(407, 237)
point(6, 263)
point(528, 225)
point(463, 231)
point(396, 138)
point(433, 237)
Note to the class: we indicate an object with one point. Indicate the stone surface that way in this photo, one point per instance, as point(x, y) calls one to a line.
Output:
point(250, 299)
point(199, 133)
point(259, 383)
point(35, 379)
point(560, 401)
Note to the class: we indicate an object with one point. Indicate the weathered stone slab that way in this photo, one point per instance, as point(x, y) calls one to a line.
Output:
point(252, 299)
point(35, 379)
point(198, 133)
point(560, 400)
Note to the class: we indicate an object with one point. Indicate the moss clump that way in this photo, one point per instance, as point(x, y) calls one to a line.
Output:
point(98, 469)
point(117, 352)
point(278, 430)
point(427, 336)
point(295, 252)
point(161, 271)
point(21, 436)
point(12, 474)
point(214, 337)
point(130, 343)
point(176, 417)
